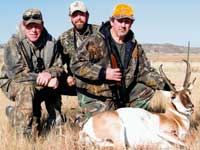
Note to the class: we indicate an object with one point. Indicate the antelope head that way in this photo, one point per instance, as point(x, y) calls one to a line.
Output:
point(180, 98)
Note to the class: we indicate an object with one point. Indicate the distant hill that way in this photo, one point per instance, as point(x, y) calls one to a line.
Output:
point(169, 48)
point(156, 48)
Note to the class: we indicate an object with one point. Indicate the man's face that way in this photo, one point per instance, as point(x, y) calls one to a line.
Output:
point(33, 31)
point(79, 19)
point(121, 26)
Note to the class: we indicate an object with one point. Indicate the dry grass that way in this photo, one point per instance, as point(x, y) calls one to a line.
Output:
point(65, 137)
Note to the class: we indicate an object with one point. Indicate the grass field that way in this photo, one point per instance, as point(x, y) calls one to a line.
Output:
point(65, 138)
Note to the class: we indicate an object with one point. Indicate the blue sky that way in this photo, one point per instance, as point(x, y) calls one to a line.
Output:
point(157, 21)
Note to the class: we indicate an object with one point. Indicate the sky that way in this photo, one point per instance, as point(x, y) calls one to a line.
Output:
point(156, 21)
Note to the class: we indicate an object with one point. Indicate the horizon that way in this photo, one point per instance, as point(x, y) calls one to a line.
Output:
point(157, 22)
point(185, 46)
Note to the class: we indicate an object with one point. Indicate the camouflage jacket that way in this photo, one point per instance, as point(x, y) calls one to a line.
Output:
point(93, 59)
point(70, 40)
point(18, 58)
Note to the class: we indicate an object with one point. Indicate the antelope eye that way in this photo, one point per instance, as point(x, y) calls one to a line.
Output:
point(173, 96)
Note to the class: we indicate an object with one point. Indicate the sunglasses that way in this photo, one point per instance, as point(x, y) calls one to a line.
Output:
point(33, 16)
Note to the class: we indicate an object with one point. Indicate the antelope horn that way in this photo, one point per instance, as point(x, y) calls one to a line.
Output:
point(171, 85)
point(187, 75)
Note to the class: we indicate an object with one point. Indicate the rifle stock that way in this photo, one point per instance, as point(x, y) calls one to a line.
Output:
point(114, 65)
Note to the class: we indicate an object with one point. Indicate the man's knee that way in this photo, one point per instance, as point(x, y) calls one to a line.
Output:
point(140, 96)
point(17, 91)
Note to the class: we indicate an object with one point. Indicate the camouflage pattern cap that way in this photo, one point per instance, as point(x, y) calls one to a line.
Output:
point(77, 6)
point(32, 16)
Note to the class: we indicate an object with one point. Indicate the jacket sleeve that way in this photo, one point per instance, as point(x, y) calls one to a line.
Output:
point(17, 68)
point(85, 64)
point(147, 74)
point(65, 57)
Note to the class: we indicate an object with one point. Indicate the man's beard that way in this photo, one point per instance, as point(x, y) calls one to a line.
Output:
point(79, 25)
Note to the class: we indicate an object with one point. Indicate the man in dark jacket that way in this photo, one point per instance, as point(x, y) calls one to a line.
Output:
point(32, 67)
point(111, 68)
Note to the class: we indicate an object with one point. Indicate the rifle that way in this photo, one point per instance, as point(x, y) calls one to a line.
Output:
point(119, 89)
point(114, 65)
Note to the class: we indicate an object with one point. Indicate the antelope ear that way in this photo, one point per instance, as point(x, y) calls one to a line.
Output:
point(167, 93)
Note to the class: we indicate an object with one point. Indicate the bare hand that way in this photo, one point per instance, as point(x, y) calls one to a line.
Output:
point(43, 78)
point(113, 74)
point(70, 81)
point(53, 83)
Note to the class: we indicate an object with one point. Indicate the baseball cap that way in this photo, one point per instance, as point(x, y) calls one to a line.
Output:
point(32, 16)
point(77, 6)
point(123, 11)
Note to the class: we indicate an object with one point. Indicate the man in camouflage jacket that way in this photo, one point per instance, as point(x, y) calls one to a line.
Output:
point(71, 39)
point(111, 68)
point(32, 67)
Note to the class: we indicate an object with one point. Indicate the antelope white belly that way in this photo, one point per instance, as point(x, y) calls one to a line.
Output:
point(141, 126)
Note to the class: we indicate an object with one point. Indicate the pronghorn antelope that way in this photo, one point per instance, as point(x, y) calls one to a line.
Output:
point(135, 127)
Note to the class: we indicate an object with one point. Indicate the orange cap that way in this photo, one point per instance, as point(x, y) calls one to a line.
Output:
point(123, 11)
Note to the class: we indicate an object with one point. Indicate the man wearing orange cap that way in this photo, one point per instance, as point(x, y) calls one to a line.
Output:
point(111, 68)
point(32, 67)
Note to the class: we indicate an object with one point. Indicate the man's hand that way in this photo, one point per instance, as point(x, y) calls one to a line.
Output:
point(113, 74)
point(43, 79)
point(53, 83)
point(70, 81)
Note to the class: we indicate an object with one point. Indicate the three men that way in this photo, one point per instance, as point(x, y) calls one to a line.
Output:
point(32, 67)
point(110, 67)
